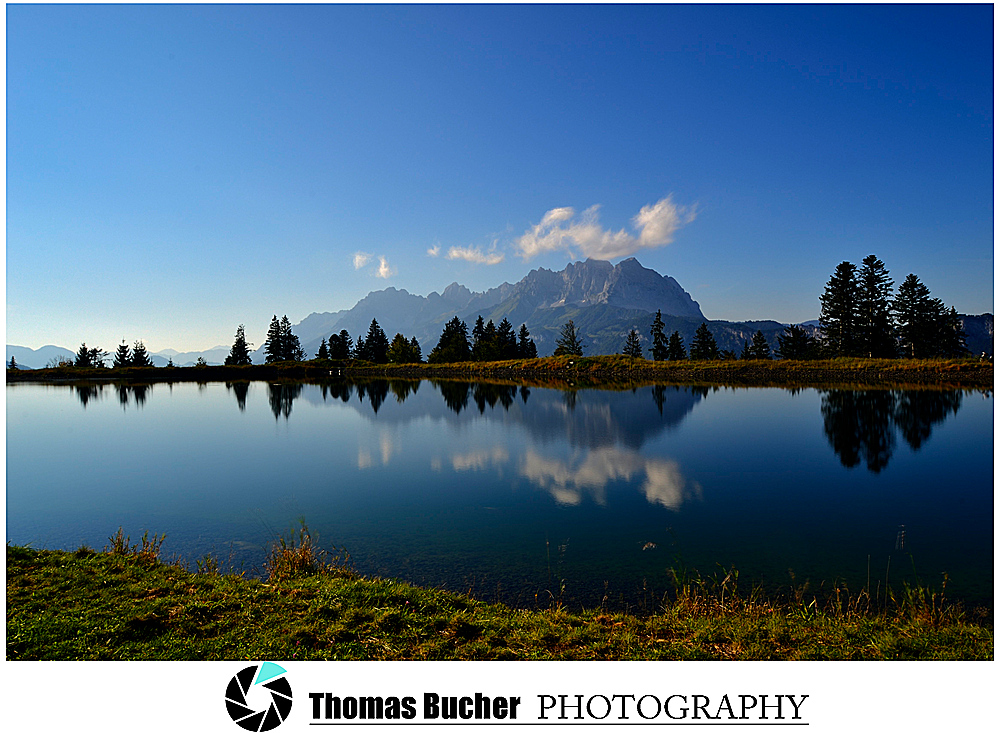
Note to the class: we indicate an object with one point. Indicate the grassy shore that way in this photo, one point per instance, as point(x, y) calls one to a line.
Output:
point(123, 603)
point(576, 372)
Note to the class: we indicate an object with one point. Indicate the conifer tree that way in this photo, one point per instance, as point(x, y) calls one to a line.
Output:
point(568, 343)
point(876, 330)
point(291, 347)
point(82, 357)
point(140, 357)
point(526, 348)
point(376, 344)
point(239, 353)
point(12, 364)
point(795, 343)
point(916, 312)
point(675, 347)
point(659, 339)
point(759, 348)
point(274, 348)
point(360, 351)
point(839, 312)
point(453, 345)
point(416, 355)
point(323, 353)
point(703, 345)
point(632, 346)
point(123, 356)
point(479, 346)
point(745, 354)
point(340, 346)
point(506, 341)
point(400, 351)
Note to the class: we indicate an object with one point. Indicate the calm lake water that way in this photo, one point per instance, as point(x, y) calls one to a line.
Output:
point(521, 494)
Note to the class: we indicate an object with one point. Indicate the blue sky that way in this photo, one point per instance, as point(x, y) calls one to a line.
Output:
point(174, 171)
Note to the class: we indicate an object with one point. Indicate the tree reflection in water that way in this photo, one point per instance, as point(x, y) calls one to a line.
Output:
point(281, 396)
point(240, 389)
point(862, 425)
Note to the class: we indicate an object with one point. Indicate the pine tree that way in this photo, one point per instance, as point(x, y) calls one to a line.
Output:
point(759, 348)
point(745, 354)
point(526, 348)
point(795, 343)
point(675, 347)
point(360, 350)
point(274, 349)
point(97, 356)
point(876, 330)
point(659, 348)
point(239, 354)
point(123, 356)
point(453, 345)
point(951, 335)
point(703, 346)
point(140, 357)
point(839, 313)
point(568, 343)
point(323, 353)
point(12, 364)
point(632, 346)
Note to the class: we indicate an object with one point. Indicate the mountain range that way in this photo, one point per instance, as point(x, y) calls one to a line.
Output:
point(604, 301)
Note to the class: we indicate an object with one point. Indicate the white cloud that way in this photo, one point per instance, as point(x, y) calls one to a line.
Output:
point(561, 230)
point(434, 251)
point(384, 270)
point(361, 259)
point(474, 254)
point(569, 482)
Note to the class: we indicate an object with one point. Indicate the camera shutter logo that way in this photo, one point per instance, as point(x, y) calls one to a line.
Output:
point(268, 676)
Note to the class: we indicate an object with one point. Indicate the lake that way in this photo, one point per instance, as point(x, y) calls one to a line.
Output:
point(521, 494)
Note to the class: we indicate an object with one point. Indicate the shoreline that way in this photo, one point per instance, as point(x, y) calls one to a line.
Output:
point(572, 373)
point(123, 603)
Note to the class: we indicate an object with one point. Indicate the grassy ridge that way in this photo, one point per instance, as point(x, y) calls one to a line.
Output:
point(125, 604)
point(565, 372)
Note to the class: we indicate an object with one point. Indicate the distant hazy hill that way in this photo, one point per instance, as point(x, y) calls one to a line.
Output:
point(37, 358)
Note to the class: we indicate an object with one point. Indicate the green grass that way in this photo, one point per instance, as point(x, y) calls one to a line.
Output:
point(574, 372)
point(124, 603)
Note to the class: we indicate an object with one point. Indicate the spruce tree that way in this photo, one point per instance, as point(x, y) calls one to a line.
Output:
point(83, 357)
point(416, 355)
point(274, 349)
point(239, 353)
point(506, 341)
point(360, 350)
point(97, 356)
point(703, 345)
point(526, 348)
point(12, 364)
point(323, 353)
point(917, 315)
point(759, 348)
point(568, 343)
point(453, 345)
point(123, 356)
point(659, 339)
point(745, 354)
point(795, 343)
point(632, 346)
point(399, 351)
point(839, 312)
point(377, 344)
point(951, 335)
point(340, 346)
point(479, 346)
point(876, 330)
point(140, 357)
point(291, 347)
point(675, 347)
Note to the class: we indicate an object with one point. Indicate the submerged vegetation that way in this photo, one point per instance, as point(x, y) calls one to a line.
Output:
point(124, 603)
